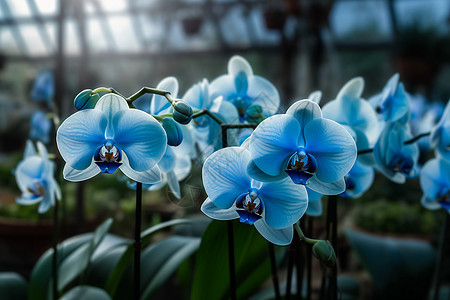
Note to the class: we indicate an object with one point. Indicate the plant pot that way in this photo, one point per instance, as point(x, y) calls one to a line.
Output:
point(401, 268)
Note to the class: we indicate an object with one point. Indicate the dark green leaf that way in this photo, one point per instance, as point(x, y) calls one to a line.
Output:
point(211, 276)
point(77, 262)
point(42, 271)
point(162, 259)
point(85, 292)
point(13, 286)
point(125, 261)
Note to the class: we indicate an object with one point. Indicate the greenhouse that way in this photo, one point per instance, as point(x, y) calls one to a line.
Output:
point(224, 149)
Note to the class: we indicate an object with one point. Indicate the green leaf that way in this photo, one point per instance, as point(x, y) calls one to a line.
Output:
point(162, 259)
point(85, 292)
point(211, 276)
point(77, 262)
point(12, 286)
point(42, 271)
point(125, 261)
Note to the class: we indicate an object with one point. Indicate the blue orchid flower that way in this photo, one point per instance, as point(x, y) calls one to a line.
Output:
point(393, 102)
point(351, 110)
point(205, 129)
point(244, 89)
point(358, 180)
point(34, 176)
point(40, 127)
point(43, 89)
point(272, 207)
point(435, 184)
point(440, 134)
point(394, 159)
point(175, 165)
point(312, 150)
point(109, 137)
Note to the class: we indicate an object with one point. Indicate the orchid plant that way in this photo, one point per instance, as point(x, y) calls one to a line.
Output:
point(268, 177)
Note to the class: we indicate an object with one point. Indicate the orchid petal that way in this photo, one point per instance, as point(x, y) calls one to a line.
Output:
point(238, 64)
point(30, 150)
point(28, 170)
point(110, 104)
point(333, 148)
point(263, 93)
point(141, 137)
point(315, 97)
point(326, 188)
point(352, 89)
point(75, 175)
point(150, 176)
point(28, 199)
point(160, 103)
point(173, 183)
point(224, 176)
point(79, 135)
point(304, 111)
point(284, 202)
point(212, 211)
point(279, 237)
point(168, 161)
point(256, 173)
point(273, 142)
point(314, 204)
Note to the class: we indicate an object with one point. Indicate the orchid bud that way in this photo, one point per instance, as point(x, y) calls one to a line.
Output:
point(323, 251)
point(254, 114)
point(85, 100)
point(182, 112)
point(173, 132)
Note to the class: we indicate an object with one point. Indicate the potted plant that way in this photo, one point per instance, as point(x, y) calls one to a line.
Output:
point(392, 241)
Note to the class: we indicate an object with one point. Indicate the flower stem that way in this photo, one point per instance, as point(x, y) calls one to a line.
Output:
point(202, 112)
point(310, 230)
point(137, 242)
point(414, 139)
point(302, 236)
point(440, 260)
point(55, 250)
point(273, 265)
point(231, 260)
point(332, 237)
point(147, 90)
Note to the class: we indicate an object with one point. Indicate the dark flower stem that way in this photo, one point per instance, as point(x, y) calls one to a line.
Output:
point(137, 242)
point(310, 230)
point(291, 252)
point(55, 249)
point(414, 139)
point(440, 260)
point(332, 237)
point(273, 265)
point(231, 260)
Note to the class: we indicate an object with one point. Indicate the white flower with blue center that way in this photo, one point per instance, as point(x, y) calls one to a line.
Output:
point(34, 176)
point(111, 136)
point(272, 207)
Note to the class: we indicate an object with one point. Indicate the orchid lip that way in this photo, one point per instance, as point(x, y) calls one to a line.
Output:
point(36, 188)
point(250, 207)
point(108, 157)
point(301, 166)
